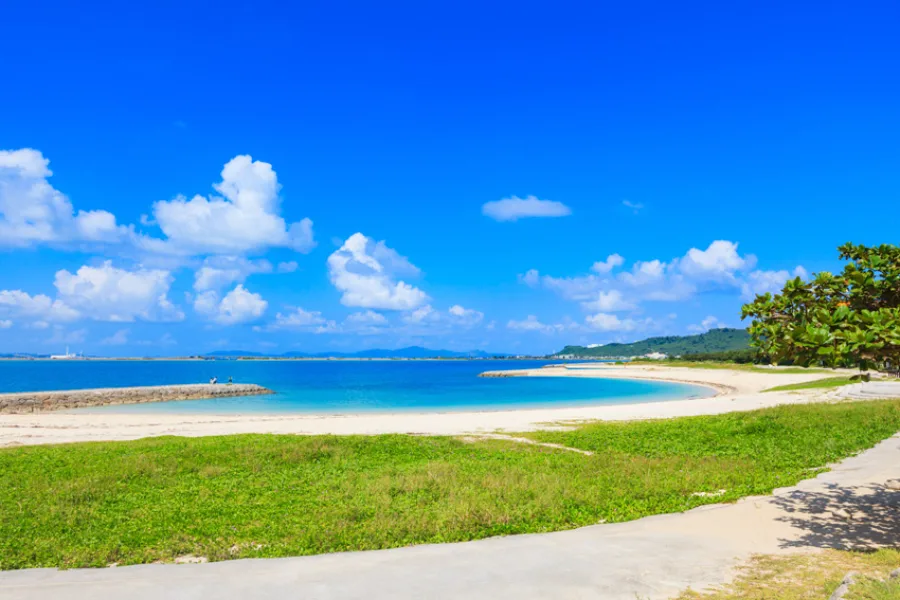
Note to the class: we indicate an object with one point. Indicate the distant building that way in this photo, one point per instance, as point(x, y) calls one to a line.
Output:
point(656, 356)
point(65, 356)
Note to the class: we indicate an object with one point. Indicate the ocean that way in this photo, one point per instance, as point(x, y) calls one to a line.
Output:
point(341, 387)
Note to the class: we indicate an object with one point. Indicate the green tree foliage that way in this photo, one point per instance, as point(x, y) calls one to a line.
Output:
point(849, 319)
point(714, 340)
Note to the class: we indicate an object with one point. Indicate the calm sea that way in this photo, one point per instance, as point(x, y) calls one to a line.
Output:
point(341, 387)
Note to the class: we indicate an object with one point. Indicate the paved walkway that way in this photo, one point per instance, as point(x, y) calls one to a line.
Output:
point(656, 557)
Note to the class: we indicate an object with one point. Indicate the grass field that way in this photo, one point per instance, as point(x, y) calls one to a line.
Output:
point(93, 504)
point(818, 384)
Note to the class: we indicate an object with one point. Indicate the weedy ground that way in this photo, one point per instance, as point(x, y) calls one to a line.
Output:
point(92, 504)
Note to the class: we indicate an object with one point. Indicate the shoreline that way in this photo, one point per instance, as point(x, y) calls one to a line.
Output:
point(564, 371)
point(739, 391)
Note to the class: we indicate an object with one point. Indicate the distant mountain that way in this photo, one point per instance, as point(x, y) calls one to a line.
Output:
point(714, 340)
point(410, 352)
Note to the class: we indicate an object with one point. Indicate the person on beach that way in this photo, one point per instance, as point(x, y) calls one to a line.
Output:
point(230, 381)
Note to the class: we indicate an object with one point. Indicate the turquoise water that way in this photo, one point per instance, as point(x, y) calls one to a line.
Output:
point(342, 387)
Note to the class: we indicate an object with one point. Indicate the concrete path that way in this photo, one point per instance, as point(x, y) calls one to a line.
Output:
point(656, 557)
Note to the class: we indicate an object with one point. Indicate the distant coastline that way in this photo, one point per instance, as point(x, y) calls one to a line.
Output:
point(281, 358)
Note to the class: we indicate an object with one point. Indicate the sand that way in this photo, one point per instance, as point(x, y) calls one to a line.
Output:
point(737, 391)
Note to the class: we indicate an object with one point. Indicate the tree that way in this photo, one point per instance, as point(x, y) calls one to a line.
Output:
point(847, 320)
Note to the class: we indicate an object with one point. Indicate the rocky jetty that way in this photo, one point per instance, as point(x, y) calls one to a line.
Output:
point(502, 374)
point(32, 402)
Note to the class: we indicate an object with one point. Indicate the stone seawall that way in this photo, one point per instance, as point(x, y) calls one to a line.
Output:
point(32, 402)
point(519, 373)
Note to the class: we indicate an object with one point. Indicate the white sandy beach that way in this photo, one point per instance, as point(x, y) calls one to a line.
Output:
point(737, 391)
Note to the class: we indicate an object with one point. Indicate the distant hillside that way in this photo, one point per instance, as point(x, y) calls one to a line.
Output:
point(410, 352)
point(714, 340)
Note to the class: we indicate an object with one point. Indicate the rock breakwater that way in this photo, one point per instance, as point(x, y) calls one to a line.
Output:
point(33, 402)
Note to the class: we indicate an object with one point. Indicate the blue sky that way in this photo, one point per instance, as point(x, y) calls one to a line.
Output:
point(338, 176)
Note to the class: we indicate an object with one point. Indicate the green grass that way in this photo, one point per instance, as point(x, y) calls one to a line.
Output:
point(92, 504)
point(818, 384)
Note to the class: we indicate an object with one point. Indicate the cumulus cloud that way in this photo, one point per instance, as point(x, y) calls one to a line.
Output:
point(107, 293)
point(303, 320)
point(287, 266)
point(609, 322)
point(719, 261)
point(467, 317)
point(5, 324)
point(706, 324)
point(246, 217)
point(240, 305)
point(39, 307)
point(423, 314)
point(455, 316)
point(761, 282)
point(611, 301)
point(367, 275)
point(33, 212)
point(218, 272)
point(369, 317)
point(605, 266)
point(515, 208)
point(719, 265)
point(531, 278)
point(531, 323)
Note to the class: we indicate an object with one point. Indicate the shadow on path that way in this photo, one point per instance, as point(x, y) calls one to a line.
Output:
point(843, 518)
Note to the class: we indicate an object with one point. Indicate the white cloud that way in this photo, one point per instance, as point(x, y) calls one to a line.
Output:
point(720, 265)
point(706, 324)
point(238, 306)
point(581, 288)
point(33, 212)
point(366, 273)
point(5, 324)
point(467, 317)
point(761, 282)
point(106, 293)
point(423, 314)
point(514, 208)
point(636, 207)
point(300, 319)
point(531, 278)
point(719, 261)
point(608, 322)
point(287, 266)
point(455, 316)
point(218, 272)
point(119, 338)
point(612, 261)
point(39, 307)
point(611, 301)
point(645, 273)
point(247, 216)
point(531, 323)
point(369, 317)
